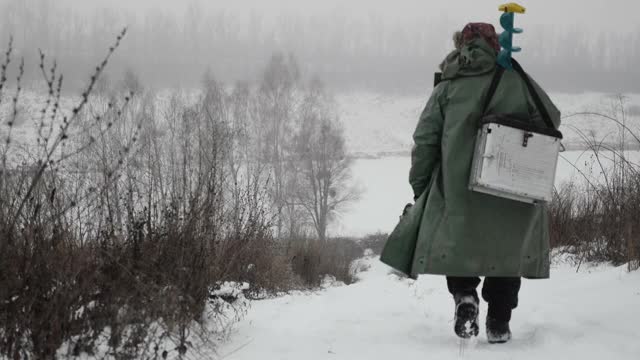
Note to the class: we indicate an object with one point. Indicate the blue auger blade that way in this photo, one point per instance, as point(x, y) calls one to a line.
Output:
point(504, 60)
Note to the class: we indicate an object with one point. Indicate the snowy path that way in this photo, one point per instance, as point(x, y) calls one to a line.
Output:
point(593, 314)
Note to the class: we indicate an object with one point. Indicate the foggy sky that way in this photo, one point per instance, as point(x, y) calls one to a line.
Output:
point(396, 42)
point(599, 15)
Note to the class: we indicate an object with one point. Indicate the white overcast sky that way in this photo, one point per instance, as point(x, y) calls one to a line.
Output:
point(407, 36)
point(599, 15)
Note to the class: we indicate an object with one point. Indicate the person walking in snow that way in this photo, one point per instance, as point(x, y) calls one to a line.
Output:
point(458, 232)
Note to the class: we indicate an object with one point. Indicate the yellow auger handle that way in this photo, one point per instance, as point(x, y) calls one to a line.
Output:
point(512, 8)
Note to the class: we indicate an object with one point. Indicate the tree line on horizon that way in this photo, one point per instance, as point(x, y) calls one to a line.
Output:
point(371, 53)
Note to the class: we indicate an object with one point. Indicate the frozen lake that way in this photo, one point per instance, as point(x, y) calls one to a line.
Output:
point(386, 189)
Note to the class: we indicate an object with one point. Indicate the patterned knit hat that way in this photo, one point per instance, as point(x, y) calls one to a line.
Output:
point(485, 31)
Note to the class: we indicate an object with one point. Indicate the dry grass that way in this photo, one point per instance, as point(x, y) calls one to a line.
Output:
point(313, 259)
point(596, 218)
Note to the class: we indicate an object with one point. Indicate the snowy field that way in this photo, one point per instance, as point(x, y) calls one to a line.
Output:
point(386, 190)
point(383, 125)
point(379, 124)
point(590, 314)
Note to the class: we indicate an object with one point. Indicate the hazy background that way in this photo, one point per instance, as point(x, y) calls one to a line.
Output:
point(386, 46)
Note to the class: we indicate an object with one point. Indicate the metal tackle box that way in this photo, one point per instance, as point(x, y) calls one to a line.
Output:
point(516, 157)
point(514, 163)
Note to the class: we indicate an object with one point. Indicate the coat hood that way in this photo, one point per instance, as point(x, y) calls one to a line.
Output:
point(475, 58)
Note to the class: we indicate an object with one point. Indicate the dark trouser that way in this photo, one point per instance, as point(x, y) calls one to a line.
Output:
point(501, 293)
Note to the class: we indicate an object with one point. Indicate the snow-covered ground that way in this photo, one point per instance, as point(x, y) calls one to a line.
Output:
point(385, 188)
point(590, 314)
point(376, 123)
point(379, 128)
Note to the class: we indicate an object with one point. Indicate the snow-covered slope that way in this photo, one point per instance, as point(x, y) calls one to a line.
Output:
point(590, 314)
point(379, 124)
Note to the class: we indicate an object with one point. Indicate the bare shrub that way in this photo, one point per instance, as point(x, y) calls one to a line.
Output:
point(121, 221)
point(596, 218)
point(313, 259)
point(375, 242)
point(127, 221)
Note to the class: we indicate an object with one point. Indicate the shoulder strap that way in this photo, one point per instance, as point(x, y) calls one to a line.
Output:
point(497, 76)
point(534, 94)
point(437, 79)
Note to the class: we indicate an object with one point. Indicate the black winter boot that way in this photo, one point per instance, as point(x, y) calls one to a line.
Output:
point(466, 317)
point(498, 332)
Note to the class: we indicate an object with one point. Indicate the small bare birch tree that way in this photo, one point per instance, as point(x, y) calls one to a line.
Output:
point(323, 183)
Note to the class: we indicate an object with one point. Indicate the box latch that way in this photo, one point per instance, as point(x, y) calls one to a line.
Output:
point(526, 137)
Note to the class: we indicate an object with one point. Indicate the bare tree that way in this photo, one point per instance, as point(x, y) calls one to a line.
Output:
point(277, 104)
point(323, 184)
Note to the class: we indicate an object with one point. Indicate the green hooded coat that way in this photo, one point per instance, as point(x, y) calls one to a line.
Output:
point(452, 230)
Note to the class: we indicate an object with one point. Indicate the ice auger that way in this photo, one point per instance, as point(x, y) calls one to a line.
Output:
point(506, 38)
